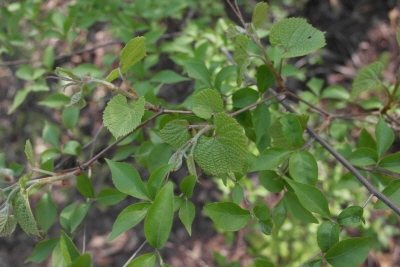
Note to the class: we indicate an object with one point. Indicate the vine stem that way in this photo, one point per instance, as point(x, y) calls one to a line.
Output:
point(136, 252)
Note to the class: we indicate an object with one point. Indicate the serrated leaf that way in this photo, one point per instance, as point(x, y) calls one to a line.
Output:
point(7, 224)
point(176, 133)
point(297, 37)
point(351, 216)
point(392, 191)
point(303, 167)
point(120, 117)
point(158, 223)
point(128, 218)
point(127, 180)
point(234, 30)
point(259, 14)
point(227, 215)
point(68, 249)
point(46, 212)
point(186, 215)
point(133, 52)
point(146, 260)
point(23, 213)
point(187, 185)
point(384, 137)
point(349, 253)
point(367, 79)
point(241, 57)
point(270, 159)
point(311, 198)
point(328, 235)
point(30, 155)
point(296, 209)
point(42, 250)
point(226, 150)
point(206, 103)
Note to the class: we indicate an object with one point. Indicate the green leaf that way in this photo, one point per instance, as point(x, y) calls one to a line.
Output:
point(384, 137)
point(55, 100)
point(110, 196)
point(78, 215)
point(303, 167)
point(279, 214)
point(127, 180)
point(68, 249)
point(269, 159)
point(23, 213)
point(83, 260)
point(266, 226)
point(46, 212)
point(328, 235)
point(159, 156)
point(391, 162)
point(128, 218)
point(186, 215)
point(272, 181)
point(314, 263)
point(297, 37)
point(297, 210)
point(72, 148)
point(133, 52)
point(292, 130)
point(265, 78)
point(262, 212)
point(146, 260)
point(311, 198)
point(226, 150)
point(206, 103)
point(279, 138)
point(223, 74)
point(176, 133)
point(57, 259)
point(335, 92)
point(241, 57)
point(365, 140)
point(120, 117)
point(197, 70)
point(168, 76)
point(178, 202)
point(263, 263)
point(30, 155)
point(70, 116)
point(50, 135)
point(363, 157)
point(259, 14)
point(392, 191)
point(65, 216)
point(48, 57)
point(85, 186)
point(227, 215)
point(237, 194)
point(42, 250)
point(367, 79)
point(78, 100)
point(158, 223)
point(114, 74)
point(156, 179)
point(187, 185)
point(351, 216)
point(7, 224)
point(244, 97)
point(315, 84)
point(349, 253)
point(19, 98)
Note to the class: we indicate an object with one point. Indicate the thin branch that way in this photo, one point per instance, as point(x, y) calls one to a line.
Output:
point(381, 171)
point(136, 252)
point(311, 258)
point(257, 103)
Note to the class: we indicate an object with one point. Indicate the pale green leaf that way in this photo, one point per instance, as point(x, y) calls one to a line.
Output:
point(7, 224)
point(133, 52)
point(367, 79)
point(297, 37)
point(46, 212)
point(303, 167)
point(70, 116)
point(19, 98)
point(55, 100)
point(120, 117)
point(23, 213)
point(146, 260)
point(114, 74)
point(241, 57)
point(206, 103)
point(197, 70)
point(384, 137)
point(237, 194)
point(30, 155)
point(68, 249)
point(186, 215)
point(50, 135)
point(78, 215)
point(349, 253)
point(48, 57)
point(227, 215)
point(259, 14)
point(176, 133)
point(223, 74)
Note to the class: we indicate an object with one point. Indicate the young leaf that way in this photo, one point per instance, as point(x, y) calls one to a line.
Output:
point(110, 196)
point(187, 185)
point(128, 218)
point(78, 215)
point(292, 130)
point(42, 250)
point(226, 150)
point(384, 137)
point(158, 223)
point(296, 209)
point(227, 215)
point(133, 52)
point(265, 78)
point(297, 37)
point(311, 198)
point(127, 180)
point(350, 252)
point(114, 74)
point(266, 226)
point(46, 212)
point(156, 178)
point(83, 260)
point(120, 117)
point(367, 79)
point(23, 213)
point(29, 153)
point(363, 156)
point(303, 167)
point(351, 216)
point(85, 186)
point(328, 235)
point(241, 57)
point(146, 260)
point(391, 162)
point(392, 191)
point(206, 103)
point(198, 71)
point(237, 194)
point(269, 159)
point(263, 263)
point(68, 249)
point(262, 212)
point(259, 14)
point(176, 133)
point(7, 224)
point(271, 181)
point(186, 215)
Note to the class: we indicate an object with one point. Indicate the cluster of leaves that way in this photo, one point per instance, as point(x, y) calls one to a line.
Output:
point(221, 134)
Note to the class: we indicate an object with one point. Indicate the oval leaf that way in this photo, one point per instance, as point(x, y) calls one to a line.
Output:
point(186, 214)
point(303, 167)
point(227, 215)
point(351, 216)
point(349, 253)
point(328, 235)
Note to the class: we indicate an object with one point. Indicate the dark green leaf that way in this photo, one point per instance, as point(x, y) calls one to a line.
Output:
point(227, 215)
point(65, 216)
point(237, 194)
point(351, 216)
point(279, 214)
point(223, 74)
point(367, 79)
point(241, 57)
point(168, 76)
point(85, 186)
point(244, 97)
point(272, 181)
point(303, 167)
point(363, 157)
point(46, 212)
point(266, 226)
point(296, 209)
point(262, 212)
point(156, 179)
point(187, 185)
point(263, 263)
point(42, 250)
point(350, 252)
point(391, 162)
point(68, 249)
point(269, 159)
point(198, 71)
point(146, 260)
point(292, 130)
point(186, 215)
point(384, 137)
point(176, 133)
point(265, 78)
point(110, 196)
point(78, 215)
point(83, 260)
point(392, 191)
point(328, 235)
